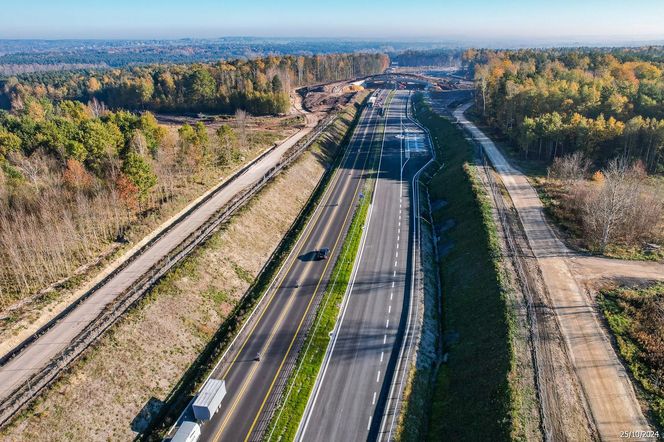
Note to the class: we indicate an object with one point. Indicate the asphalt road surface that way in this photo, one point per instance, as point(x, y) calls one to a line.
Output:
point(280, 322)
point(353, 389)
point(41, 351)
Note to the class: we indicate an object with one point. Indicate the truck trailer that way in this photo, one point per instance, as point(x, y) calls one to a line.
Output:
point(188, 432)
point(209, 399)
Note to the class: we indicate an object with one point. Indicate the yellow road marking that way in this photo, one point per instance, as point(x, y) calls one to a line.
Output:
point(255, 367)
point(299, 326)
point(335, 179)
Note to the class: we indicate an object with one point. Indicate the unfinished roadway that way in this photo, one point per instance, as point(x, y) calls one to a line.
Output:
point(46, 347)
point(606, 388)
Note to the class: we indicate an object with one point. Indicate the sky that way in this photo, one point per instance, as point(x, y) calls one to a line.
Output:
point(528, 20)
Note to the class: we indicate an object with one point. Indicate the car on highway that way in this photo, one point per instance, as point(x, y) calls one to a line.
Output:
point(322, 253)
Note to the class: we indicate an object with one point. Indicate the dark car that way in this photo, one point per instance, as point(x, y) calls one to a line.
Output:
point(322, 253)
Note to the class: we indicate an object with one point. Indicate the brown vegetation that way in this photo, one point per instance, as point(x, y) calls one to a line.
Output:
point(124, 380)
point(619, 207)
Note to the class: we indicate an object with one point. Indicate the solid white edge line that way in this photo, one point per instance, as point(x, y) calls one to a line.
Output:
point(298, 244)
point(416, 211)
point(311, 403)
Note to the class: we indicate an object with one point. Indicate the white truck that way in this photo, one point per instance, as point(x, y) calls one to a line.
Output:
point(188, 432)
point(209, 399)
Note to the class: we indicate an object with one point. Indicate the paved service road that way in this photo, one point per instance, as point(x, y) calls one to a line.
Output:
point(281, 320)
point(41, 351)
point(354, 387)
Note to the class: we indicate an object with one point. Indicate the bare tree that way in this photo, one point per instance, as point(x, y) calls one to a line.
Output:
point(621, 207)
point(98, 108)
point(569, 168)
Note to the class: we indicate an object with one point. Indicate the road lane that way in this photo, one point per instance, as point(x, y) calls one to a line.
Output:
point(354, 384)
point(280, 327)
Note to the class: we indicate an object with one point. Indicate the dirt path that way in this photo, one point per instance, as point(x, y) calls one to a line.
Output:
point(607, 390)
point(591, 270)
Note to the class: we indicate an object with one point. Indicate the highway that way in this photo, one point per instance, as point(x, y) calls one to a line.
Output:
point(45, 348)
point(357, 392)
point(280, 321)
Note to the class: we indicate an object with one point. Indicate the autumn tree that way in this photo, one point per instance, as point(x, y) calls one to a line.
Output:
point(139, 171)
point(226, 142)
point(75, 176)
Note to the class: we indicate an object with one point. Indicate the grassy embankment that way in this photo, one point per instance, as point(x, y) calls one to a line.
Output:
point(634, 315)
point(473, 398)
point(338, 134)
point(285, 422)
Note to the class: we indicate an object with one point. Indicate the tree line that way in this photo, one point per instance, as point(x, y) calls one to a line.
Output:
point(260, 86)
point(74, 178)
point(603, 103)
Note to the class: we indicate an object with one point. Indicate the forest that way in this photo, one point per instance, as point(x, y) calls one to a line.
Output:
point(259, 86)
point(431, 57)
point(603, 103)
point(26, 55)
point(86, 168)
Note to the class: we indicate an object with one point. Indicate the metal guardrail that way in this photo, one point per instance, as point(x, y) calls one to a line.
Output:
point(29, 389)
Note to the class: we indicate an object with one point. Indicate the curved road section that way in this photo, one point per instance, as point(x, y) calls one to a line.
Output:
point(45, 348)
point(359, 387)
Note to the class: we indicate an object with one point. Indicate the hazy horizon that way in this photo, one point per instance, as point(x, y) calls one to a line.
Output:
point(472, 21)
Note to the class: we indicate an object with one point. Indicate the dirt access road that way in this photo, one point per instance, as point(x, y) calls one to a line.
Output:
point(606, 387)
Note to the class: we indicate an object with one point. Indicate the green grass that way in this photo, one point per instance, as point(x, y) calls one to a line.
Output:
point(332, 141)
point(286, 420)
point(472, 398)
point(629, 312)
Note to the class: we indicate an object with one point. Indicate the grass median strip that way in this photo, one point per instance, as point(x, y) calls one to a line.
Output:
point(285, 422)
point(338, 134)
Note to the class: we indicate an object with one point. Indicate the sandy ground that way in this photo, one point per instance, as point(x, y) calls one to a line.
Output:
point(136, 364)
point(607, 390)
